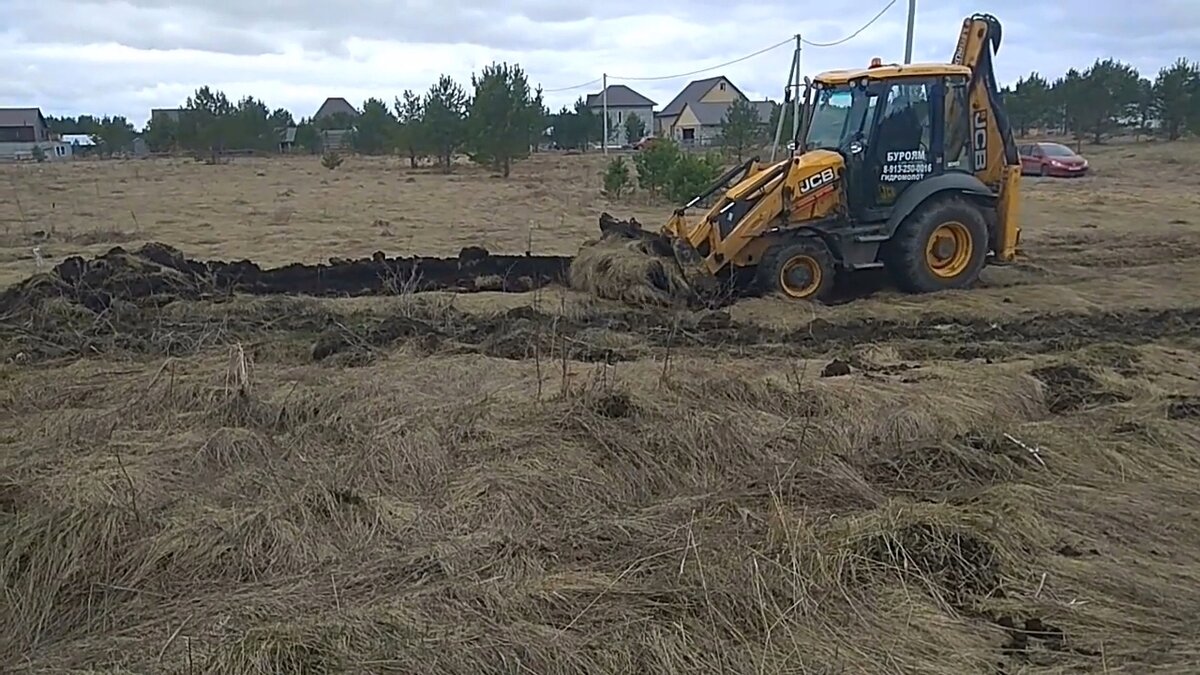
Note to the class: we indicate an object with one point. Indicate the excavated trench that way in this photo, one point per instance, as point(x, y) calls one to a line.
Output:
point(115, 302)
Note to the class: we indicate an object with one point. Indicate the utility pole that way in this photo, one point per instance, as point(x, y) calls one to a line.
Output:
point(792, 88)
point(912, 16)
point(796, 93)
point(604, 100)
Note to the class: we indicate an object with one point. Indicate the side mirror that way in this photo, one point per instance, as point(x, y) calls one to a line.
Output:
point(791, 146)
point(856, 147)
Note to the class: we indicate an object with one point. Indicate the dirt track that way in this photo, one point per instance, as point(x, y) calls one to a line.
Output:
point(999, 481)
point(610, 335)
point(121, 291)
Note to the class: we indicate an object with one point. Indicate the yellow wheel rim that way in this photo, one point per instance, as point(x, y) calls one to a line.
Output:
point(800, 277)
point(948, 252)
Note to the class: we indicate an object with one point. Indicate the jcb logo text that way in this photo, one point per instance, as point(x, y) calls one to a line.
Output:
point(817, 180)
point(980, 139)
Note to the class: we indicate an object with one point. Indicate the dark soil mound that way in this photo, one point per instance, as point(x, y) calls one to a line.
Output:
point(157, 273)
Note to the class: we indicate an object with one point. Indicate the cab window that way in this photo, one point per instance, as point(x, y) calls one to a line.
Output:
point(906, 119)
point(957, 128)
point(904, 139)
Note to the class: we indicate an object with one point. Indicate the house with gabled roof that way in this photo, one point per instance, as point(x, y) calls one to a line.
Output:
point(622, 103)
point(334, 121)
point(334, 106)
point(24, 133)
point(23, 125)
point(696, 112)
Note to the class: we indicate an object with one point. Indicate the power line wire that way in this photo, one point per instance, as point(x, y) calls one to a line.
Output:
point(576, 86)
point(751, 55)
point(764, 50)
point(855, 33)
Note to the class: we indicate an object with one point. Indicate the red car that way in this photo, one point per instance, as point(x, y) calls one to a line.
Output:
point(1051, 159)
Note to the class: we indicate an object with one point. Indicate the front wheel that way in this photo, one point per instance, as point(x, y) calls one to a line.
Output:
point(942, 245)
point(799, 270)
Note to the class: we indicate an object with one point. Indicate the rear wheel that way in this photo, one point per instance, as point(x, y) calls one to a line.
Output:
point(940, 246)
point(800, 269)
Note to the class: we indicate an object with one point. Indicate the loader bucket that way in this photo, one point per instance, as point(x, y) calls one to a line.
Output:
point(687, 264)
point(632, 229)
point(691, 264)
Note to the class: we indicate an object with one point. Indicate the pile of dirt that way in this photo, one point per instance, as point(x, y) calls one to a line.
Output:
point(157, 273)
point(153, 274)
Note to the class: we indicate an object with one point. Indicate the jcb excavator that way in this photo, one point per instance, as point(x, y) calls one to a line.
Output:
point(909, 167)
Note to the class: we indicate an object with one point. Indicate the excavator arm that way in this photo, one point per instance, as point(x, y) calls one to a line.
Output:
point(993, 146)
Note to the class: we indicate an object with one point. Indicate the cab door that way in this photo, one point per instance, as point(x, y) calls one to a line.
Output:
point(908, 141)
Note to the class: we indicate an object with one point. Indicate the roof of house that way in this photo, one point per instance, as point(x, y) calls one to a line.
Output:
point(710, 114)
point(78, 139)
point(619, 96)
point(693, 92)
point(21, 117)
point(333, 106)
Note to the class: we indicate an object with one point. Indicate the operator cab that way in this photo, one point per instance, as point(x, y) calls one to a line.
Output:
point(893, 125)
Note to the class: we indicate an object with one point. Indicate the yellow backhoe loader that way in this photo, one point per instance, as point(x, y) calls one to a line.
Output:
point(909, 167)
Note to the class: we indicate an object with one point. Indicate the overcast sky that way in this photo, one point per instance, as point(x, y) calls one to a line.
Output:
point(102, 57)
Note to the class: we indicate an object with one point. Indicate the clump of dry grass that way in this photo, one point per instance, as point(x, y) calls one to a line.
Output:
point(629, 270)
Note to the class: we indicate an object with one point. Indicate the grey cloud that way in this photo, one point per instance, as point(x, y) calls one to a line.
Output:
point(154, 29)
point(1053, 36)
point(497, 25)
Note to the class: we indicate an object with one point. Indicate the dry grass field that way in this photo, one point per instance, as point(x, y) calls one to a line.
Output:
point(1002, 480)
point(277, 211)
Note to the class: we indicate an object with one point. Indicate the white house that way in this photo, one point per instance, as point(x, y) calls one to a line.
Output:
point(622, 103)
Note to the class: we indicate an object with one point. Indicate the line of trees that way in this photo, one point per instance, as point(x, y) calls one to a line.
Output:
point(500, 120)
point(576, 127)
point(210, 121)
point(1107, 98)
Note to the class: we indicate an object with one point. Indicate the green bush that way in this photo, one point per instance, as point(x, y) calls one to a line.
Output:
point(690, 175)
point(616, 177)
point(331, 160)
point(654, 164)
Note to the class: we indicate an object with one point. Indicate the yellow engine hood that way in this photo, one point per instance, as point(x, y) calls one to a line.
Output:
point(815, 161)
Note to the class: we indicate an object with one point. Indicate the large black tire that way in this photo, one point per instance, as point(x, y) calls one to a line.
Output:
point(799, 269)
point(941, 245)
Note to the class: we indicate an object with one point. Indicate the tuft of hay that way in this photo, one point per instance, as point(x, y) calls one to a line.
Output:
point(628, 270)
